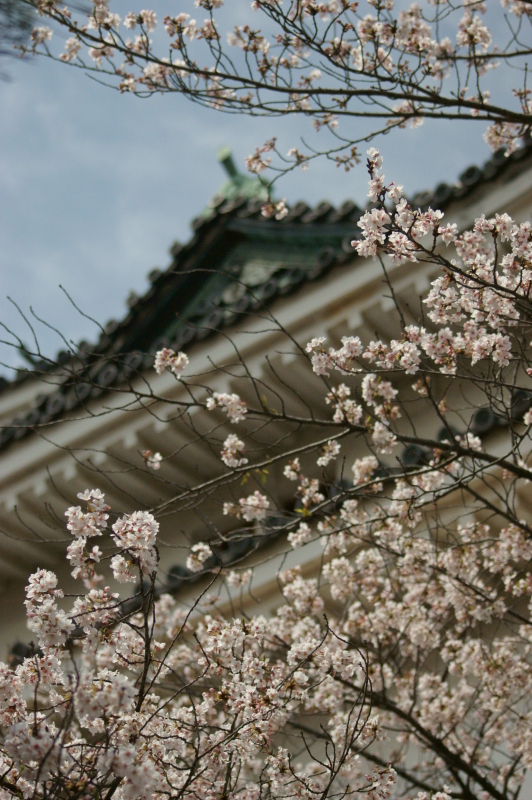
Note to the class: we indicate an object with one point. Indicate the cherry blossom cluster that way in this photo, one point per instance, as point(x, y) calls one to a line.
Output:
point(239, 578)
point(46, 620)
point(308, 491)
point(301, 535)
point(436, 611)
point(468, 294)
point(345, 408)
point(329, 452)
point(278, 210)
point(135, 534)
point(258, 162)
point(168, 359)
point(83, 525)
point(394, 619)
point(253, 507)
point(232, 404)
point(152, 460)
point(119, 714)
point(199, 553)
point(92, 521)
point(411, 63)
point(413, 590)
point(233, 447)
point(403, 620)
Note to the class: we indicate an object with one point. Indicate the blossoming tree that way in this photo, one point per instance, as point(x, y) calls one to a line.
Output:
point(397, 659)
point(385, 65)
point(398, 662)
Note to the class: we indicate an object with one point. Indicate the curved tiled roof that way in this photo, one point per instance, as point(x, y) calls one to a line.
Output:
point(192, 298)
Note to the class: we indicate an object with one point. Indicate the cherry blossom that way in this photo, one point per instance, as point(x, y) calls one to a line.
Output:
point(234, 407)
point(41, 34)
point(398, 66)
point(136, 535)
point(301, 535)
point(330, 451)
point(233, 446)
point(401, 623)
point(253, 507)
point(152, 460)
point(199, 553)
point(168, 359)
point(239, 579)
point(292, 470)
point(72, 48)
point(91, 522)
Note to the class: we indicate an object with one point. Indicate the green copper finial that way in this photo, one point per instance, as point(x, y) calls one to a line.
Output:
point(237, 185)
point(225, 158)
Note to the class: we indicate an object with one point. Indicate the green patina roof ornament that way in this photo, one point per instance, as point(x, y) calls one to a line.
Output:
point(238, 184)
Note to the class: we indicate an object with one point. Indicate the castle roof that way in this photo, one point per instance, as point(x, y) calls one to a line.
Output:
point(236, 262)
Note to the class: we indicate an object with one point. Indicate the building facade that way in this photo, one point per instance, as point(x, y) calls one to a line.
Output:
point(238, 296)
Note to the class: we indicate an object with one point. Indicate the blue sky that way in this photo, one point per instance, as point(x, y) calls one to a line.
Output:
point(95, 187)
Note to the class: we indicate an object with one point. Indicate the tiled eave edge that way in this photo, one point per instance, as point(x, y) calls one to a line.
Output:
point(125, 347)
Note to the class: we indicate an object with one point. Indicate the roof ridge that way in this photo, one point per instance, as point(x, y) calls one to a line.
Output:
point(98, 361)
